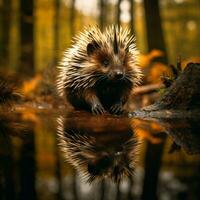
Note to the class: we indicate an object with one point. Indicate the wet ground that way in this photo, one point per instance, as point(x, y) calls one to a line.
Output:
point(74, 155)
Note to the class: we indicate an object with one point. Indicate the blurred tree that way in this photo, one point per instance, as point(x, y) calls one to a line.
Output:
point(118, 13)
point(5, 15)
point(72, 17)
point(59, 193)
point(7, 170)
point(153, 153)
point(155, 38)
point(27, 166)
point(102, 14)
point(56, 29)
point(132, 18)
point(27, 37)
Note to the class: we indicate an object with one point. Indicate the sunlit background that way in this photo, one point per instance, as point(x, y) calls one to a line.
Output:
point(43, 29)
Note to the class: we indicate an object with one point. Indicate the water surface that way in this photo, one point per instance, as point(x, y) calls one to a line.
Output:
point(75, 155)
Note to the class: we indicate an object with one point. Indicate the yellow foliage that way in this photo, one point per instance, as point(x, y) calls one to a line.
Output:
point(147, 130)
point(156, 71)
point(29, 86)
point(145, 60)
point(144, 134)
point(30, 115)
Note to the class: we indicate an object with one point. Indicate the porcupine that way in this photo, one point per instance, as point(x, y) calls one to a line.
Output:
point(100, 69)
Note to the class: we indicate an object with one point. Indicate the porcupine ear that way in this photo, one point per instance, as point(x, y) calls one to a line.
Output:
point(92, 47)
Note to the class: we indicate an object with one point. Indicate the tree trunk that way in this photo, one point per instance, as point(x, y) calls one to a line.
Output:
point(27, 165)
point(153, 152)
point(155, 38)
point(5, 9)
point(27, 37)
point(72, 18)
point(118, 13)
point(132, 18)
point(56, 29)
point(102, 14)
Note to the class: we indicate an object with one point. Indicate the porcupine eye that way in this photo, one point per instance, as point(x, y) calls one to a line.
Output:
point(105, 62)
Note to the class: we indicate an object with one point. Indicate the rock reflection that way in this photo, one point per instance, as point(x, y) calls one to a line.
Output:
point(185, 134)
point(99, 147)
point(164, 171)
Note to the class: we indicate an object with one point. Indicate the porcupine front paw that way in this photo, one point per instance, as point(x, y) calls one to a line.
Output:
point(117, 109)
point(97, 108)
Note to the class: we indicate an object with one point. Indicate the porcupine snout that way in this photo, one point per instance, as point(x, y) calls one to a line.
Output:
point(116, 74)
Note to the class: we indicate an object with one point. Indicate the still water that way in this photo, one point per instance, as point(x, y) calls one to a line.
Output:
point(75, 155)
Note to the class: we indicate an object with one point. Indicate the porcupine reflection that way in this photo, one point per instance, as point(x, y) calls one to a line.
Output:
point(99, 152)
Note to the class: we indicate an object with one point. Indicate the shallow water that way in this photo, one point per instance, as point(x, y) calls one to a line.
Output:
point(74, 155)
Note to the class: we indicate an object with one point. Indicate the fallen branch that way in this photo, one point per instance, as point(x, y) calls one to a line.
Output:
point(146, 89)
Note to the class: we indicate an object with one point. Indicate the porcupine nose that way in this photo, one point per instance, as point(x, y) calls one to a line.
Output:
point(118, 74)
